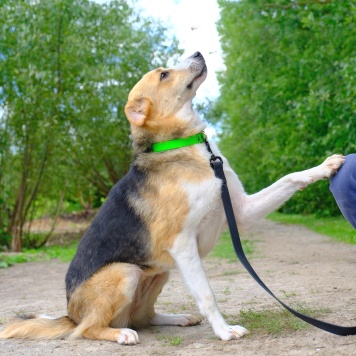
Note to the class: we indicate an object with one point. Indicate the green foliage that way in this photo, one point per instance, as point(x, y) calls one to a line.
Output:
point(335, 227)
point(7, 260)
point(64, 253)
point(288, 94)
point(66, 68)
point(4, 238)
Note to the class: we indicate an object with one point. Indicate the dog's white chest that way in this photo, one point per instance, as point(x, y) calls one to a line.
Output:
point(202, 196)
point(206, 214)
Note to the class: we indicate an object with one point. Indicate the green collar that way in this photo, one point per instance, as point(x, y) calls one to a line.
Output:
point(178, 143)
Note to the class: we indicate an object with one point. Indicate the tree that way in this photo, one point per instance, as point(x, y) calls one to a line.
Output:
point(66, 69)
point(289, 90)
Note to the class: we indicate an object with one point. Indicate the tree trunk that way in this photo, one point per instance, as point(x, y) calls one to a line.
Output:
point(15, 225)
point(16, 239)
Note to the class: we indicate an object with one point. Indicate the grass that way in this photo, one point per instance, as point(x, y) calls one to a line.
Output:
point(225, 249)
point(286, 294)
point(64, 253)
point(335, 227)
point(171, 340)
point(274, 321)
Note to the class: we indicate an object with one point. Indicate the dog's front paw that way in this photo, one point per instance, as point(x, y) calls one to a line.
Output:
point(332, 164)
point(231, 332)
point(127, 337)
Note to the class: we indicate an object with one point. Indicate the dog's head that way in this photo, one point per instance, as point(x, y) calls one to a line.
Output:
point(160, 103)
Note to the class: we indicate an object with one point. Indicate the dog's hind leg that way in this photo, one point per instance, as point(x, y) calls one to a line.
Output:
point(105, 297)
point(144, 312)
point(123, 336)
point(171, 319)
point(150, 287)
point(175, 319)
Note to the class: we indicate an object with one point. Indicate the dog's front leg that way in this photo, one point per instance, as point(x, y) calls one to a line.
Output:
point(248, 208)
point(185, 252)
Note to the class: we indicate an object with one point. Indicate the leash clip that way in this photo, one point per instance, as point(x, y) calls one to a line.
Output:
point(214, 158)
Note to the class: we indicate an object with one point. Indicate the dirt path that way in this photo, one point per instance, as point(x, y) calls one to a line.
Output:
point(308, 267)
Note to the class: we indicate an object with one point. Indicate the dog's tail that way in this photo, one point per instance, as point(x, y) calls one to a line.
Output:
point(40, 327)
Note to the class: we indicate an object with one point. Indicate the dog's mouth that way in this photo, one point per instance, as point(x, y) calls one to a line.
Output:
point(200, 74)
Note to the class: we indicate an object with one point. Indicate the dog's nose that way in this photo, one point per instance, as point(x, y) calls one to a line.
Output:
point(197, 55)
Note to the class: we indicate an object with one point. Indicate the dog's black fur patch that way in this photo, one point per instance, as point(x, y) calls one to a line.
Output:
point(117, 234)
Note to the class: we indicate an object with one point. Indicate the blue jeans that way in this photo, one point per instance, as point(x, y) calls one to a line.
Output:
point(343, 188)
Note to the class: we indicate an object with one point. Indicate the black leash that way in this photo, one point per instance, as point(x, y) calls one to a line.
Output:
point(217, 165)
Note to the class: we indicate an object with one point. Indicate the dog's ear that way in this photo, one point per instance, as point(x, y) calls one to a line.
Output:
point(137, 111)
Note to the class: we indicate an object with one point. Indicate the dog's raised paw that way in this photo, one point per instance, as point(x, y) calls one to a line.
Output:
point(127, 337)
point(332, 164)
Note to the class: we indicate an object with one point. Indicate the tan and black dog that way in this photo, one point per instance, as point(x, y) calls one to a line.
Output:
point(165, 213)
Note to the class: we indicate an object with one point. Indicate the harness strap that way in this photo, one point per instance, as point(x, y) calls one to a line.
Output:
point(217, 165)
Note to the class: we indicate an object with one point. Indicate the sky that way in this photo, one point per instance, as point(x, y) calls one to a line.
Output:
point(193, 22)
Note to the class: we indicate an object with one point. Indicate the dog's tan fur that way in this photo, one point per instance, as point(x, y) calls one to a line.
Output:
point(178, 205)
point(38, 328)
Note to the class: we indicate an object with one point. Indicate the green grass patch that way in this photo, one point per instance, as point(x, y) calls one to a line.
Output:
point(175, 340)
point(170, 340)
point(225, 249)
point(274, 321)
point(64, 253)
point(335, 227)
point(10, 259)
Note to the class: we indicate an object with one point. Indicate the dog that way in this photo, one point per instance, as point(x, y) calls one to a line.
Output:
point(165, 213)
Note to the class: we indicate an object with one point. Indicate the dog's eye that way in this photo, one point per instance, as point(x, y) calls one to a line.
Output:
point(164, 75)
